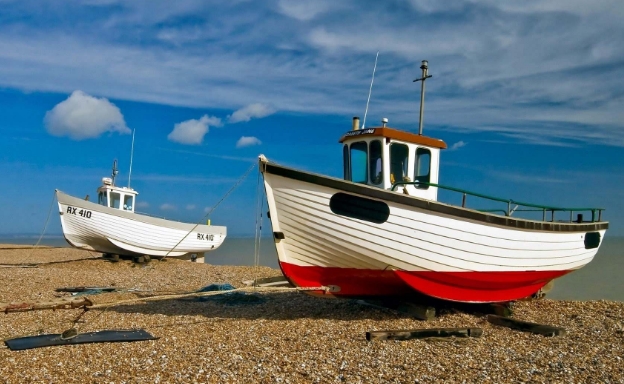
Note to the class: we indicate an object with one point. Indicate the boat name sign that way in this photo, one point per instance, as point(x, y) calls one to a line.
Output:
point(203, 236)
point(359, 132)
point(82, 212)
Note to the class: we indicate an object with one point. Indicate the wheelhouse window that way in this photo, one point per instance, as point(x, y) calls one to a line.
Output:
point(102, 199)
point(422, 167)
point(399, 155)
point(359, 156)
point(128, 203)
point(115, 200)
point(375, 162)
point(345, 162)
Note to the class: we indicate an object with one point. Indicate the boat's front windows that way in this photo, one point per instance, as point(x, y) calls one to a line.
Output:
point(376, 163)
point(102, 200)
point(359, 155)
point(399, 154)
point(422, 167)
point(128, 203)
point(345, 162)
point(115, 199)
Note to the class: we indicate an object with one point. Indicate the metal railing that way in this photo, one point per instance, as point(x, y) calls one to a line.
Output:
point(509, 211)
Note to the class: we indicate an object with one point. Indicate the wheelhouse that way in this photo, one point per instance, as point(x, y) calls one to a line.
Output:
point(391, 159)
point(122, 198)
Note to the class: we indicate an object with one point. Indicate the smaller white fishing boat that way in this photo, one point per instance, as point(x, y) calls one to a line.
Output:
point(112, 226)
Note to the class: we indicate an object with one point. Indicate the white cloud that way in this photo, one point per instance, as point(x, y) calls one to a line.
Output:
point(82, 116)
point(192, 131)
point(142, 204)
point(457, 145)
point(190, 207)
point(247, 141)
point(167, 207)
point(302, 10)
point(251, 111)
point(319, 59)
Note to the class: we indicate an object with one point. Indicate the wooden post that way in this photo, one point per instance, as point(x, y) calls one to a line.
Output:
point(423, 333)
point(525, 326)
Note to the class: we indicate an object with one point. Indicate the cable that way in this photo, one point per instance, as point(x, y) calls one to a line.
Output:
point(213, 208)
point(45, 227)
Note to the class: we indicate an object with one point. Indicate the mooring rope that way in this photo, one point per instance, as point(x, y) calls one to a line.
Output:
point(45, 226)
point(258, 235)
point(73, 331)
point(240, 180)
point(210, 293)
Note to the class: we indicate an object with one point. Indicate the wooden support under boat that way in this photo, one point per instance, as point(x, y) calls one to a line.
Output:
point(420, 312)
point(502, 310)
point(525, 326)
point(65, 303)
point(423, 333)
point(417, 311)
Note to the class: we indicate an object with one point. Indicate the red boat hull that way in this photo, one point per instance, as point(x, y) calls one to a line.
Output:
point(477, 287)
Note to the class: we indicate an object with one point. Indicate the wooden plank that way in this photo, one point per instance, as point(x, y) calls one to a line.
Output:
point(66, 303)
point(82, 289)
point(275, 281)
point(525, 326)
point(423, 333)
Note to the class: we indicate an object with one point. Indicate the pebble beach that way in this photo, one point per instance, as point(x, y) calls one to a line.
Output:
point(281, 336)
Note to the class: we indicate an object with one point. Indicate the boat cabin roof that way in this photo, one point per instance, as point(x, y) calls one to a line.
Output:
point(123, 190)
point(396, 134)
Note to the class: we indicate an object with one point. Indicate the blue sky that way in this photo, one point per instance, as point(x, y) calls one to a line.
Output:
point(527, 94)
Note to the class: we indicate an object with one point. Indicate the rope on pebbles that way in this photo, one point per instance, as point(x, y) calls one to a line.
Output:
point(210, 293)
point(87, 304)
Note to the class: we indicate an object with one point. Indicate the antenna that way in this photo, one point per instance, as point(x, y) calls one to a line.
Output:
point(115, 171)
point(425, 76)
point(369, 91)
point(131, 154)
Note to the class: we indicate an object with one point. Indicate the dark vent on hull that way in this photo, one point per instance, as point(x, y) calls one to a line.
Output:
point(359, 208)
point(592, 240)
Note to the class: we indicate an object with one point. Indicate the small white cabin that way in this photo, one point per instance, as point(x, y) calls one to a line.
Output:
point(383, 156)
point(122, 198)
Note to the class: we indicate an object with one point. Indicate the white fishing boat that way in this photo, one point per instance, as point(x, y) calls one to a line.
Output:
point(382, 231)
point(112, 226)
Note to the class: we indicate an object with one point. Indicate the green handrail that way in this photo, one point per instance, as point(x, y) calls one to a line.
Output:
point(542, 208)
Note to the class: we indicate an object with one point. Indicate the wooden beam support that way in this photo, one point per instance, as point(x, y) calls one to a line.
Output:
point(420, 312)
point(501, 310)
point(423, 333)
point(415, 310)
point(525, 326)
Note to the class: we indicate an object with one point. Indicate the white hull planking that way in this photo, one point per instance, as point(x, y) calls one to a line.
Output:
point(110, 230)
point(411, 239)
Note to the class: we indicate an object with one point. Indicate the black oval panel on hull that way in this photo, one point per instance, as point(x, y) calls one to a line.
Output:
point(592, 240)
point(359, 208)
